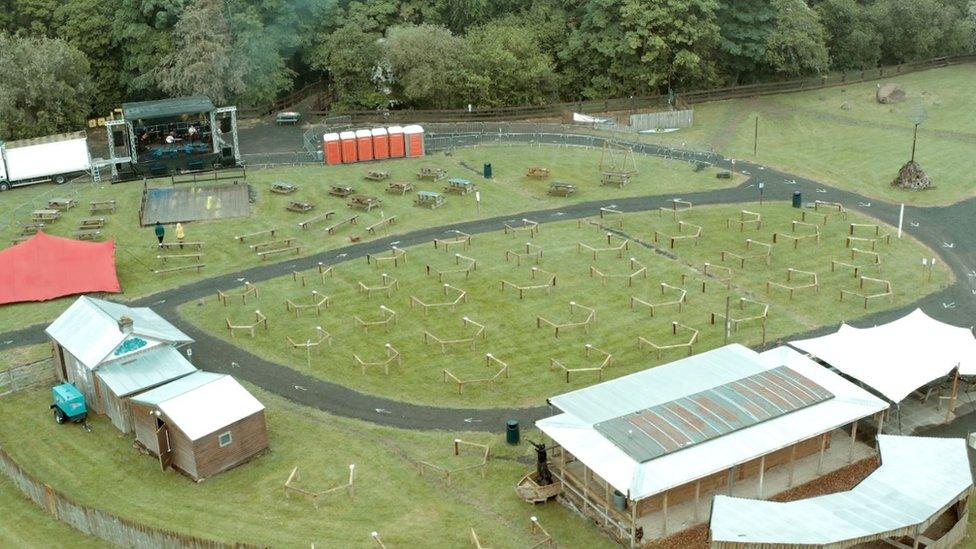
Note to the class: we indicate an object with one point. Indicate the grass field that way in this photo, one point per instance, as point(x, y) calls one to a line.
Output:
point(248, 503)
point(512, 333)
point(860, 149)
point(508, 192)
point(25, 525)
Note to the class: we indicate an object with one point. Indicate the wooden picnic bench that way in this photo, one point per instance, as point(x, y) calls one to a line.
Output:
point(196, 266)
point(363, 202)
point(341, 191)
point(375, 175)
point(45, 215)
point(284, 242)
point(268, 253)
point(561, 189)
point(20, 238)
point(460, 186)
point(399, 188)
point(433, 174)
point(429, 199)
point(102, 206)
point(288, 117)
point(300, 207)
point(324, 215)
point(331, 229)
point(283, 188)
point(267, 232)
point(91, 223)
point(87, 234)
point(62, 204)
point(165, 258)
point(388, 221)
point(29, 229)
point(181, 245)
point(537, 172)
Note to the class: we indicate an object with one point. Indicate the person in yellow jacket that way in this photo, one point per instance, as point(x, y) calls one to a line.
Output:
point(180, 234)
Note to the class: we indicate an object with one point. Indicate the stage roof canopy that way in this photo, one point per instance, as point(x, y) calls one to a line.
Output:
point(46, 267)
point(167, 108)
point(899, 357)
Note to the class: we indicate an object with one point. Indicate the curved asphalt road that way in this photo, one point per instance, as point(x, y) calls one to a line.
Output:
point(949, 230)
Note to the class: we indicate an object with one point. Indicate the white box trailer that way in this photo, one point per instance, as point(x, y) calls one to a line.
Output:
point(50, 158)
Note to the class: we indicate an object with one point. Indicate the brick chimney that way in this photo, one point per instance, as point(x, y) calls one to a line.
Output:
point(125, 324)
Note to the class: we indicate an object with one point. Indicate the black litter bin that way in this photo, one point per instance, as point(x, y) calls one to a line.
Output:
point(797, 199)
point(512, 435)
point(487, 170)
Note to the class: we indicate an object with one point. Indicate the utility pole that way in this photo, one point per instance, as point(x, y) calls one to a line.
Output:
point(755, 138)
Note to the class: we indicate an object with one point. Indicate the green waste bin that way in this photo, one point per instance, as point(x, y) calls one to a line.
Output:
point(487, 170)
point(512, 432)
point(619, 501)
point(797, 199)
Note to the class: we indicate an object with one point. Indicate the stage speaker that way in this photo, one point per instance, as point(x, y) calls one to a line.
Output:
point(226, 152)
point(225, 125)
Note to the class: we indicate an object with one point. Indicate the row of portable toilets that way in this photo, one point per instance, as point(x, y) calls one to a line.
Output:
point(375, 144)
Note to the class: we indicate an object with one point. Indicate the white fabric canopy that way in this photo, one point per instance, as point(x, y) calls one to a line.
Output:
point(899, 357)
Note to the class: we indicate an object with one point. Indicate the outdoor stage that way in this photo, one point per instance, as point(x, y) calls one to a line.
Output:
point(195, 203)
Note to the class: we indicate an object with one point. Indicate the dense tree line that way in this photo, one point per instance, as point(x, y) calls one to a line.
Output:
point(64, 60)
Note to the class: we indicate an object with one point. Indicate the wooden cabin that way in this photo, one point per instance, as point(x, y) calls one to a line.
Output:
point(201, 424)
point(94, 334)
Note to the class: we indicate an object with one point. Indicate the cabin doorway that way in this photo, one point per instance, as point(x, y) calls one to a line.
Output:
point(163, 444)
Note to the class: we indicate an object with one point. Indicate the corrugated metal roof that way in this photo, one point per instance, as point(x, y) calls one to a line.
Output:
point(669, 427)
point(917, 478)
point(204, 408)
point(176, 388)
point(166, 108)
point(89, 329)
point(574, 430)
point(145, 370)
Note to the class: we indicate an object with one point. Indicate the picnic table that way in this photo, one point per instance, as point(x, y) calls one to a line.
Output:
point(91, 223)
point(300, 207)
point(283, 188)
point(460, 186)
point(537, 172)
point(429, 199)
point(341, 191)
point(561, 189)
point(399, 188)
point(433, 174)
point(102, 206)
point(88, 234)
point(61, 204)
point(363, 202)
point(374, 175)
point(288, 117)
point(45, 215)
point(28, 229)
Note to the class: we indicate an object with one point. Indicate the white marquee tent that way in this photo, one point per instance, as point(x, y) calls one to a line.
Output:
point(899, 357)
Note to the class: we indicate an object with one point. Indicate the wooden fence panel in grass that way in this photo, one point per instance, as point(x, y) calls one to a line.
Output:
point(25, 376)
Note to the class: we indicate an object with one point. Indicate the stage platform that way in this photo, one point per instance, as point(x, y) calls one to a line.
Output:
point(195, 203)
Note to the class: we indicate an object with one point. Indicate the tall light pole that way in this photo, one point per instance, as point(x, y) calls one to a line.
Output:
point(916, 116)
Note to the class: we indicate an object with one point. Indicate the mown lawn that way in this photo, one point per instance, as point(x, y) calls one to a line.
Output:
point(26, 525)
point(103, 470)
point(508, 192)
point(512, 334)
point(861, 148)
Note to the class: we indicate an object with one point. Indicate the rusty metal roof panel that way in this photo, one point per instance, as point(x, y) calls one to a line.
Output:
point(672, 426)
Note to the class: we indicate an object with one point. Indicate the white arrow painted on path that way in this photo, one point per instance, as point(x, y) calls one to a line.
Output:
point(471, 420)
point(821, 190)
point(234, 365)
point(971, 273)
point(951, 305)
point(913, 224)
point(382, 411)
point(341, 255)
point(240, 280)
point(394, 243)
point(864, 204)
point(948, 244)
point(743, 172)
point(8, 342)
point(557, 214)
point(789, 181)
point(300, 388)
point(160, 302)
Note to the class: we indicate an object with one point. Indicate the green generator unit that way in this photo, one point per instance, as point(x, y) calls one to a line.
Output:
point(69, 404)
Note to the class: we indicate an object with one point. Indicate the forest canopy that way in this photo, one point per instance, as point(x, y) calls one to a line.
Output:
point(92, 55)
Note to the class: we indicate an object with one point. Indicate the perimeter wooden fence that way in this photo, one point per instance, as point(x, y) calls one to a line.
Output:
point(39, 373)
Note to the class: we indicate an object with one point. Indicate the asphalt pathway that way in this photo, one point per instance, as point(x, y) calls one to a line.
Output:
point(948, 230)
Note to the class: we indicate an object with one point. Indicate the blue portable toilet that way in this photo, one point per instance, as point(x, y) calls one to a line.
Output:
point(69, 403)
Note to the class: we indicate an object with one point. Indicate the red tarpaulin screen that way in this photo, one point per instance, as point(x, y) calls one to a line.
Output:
point(45, 267)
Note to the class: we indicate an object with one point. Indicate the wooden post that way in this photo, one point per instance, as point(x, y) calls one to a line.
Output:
point(762, 471)
point(823, 446)
point(850, 454)
point(697, 496)
point(633, 523)
point(664, 525)
point(952, 397)
point(789, 483)
point(731, 480)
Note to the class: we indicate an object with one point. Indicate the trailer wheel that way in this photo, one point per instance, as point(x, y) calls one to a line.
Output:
point(4, 186)
point(59, 415)
point(60, 179)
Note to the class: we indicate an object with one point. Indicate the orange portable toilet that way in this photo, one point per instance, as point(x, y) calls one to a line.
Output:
point(332, 149)
point(364, 145)
point(397, 148)
point(381, 143)
point(414, 138)
point(348, 140)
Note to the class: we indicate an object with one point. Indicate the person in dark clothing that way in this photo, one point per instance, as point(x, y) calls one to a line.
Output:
point(160, 233)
